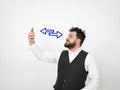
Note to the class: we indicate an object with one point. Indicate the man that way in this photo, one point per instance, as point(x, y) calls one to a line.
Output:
point(76, 67)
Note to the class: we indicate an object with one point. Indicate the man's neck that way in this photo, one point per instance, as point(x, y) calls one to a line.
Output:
point(74, 49)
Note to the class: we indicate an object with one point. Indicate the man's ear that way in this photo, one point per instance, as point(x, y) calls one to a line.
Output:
point(78, 41)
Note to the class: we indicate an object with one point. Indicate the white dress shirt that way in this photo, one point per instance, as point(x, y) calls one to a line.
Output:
point(53, 57)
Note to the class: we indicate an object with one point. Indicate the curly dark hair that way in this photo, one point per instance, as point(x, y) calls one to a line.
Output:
point(80, 33)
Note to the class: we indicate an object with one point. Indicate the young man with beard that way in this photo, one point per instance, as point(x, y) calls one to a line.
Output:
point(76, 67)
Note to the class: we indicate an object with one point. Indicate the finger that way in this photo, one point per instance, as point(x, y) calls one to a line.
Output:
point(32, 29)
point(31, 36)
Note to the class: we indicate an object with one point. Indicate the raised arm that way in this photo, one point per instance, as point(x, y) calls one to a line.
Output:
point(50, 57)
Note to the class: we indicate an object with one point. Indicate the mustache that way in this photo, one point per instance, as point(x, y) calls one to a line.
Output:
point(67, 40)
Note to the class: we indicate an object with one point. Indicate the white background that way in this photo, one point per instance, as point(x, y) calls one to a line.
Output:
point(20, 69)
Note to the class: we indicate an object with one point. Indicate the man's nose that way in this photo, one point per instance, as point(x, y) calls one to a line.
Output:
point(67, 38)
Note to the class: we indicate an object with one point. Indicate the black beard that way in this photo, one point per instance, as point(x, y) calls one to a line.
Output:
point(70, 45)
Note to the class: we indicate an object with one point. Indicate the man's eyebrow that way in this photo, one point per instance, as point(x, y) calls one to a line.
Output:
point(69, 34)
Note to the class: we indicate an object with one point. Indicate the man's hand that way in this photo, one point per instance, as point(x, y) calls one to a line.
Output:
point(31, 37)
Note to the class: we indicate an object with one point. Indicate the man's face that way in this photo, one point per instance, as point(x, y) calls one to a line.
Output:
point(71, 40)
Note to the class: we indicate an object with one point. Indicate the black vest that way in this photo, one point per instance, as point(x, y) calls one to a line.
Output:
point(71, 76)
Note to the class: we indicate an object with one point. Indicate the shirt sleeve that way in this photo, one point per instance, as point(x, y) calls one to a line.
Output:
point(49, 57)
point(92, 78)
